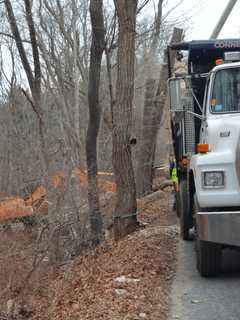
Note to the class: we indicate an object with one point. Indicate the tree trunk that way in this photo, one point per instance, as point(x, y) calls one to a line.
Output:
point(97, 48)
point(125, 219)
point(147, 147)
point(155, 98)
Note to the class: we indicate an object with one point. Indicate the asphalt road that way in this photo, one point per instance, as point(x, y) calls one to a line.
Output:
point(196, 298)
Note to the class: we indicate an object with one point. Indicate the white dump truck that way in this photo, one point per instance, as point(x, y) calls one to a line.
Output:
point(205, 120)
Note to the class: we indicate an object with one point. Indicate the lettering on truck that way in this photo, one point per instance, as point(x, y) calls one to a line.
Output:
point(227, 44)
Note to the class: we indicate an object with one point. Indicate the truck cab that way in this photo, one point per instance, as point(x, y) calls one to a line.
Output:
point(215, 168)
point(205, 119)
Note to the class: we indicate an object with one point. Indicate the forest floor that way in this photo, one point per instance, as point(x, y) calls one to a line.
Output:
point(130, 279)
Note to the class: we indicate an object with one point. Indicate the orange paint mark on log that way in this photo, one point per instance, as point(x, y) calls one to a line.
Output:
point(14, 208)
point(38, 194)
point(104, 185)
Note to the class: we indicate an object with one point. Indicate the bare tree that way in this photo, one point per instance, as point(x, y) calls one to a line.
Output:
point(97, 47)
point(145, 162)
point(63, 38)
point(34, 77)
point(154, 101)
point(35, 99)
point(125, 218)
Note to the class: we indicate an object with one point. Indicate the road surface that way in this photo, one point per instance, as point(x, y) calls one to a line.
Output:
point(196, 298)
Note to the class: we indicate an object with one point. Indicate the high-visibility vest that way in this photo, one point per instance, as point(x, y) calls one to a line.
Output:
point(174, 177)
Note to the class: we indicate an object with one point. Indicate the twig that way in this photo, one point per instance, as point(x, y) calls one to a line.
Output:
point(32, 104)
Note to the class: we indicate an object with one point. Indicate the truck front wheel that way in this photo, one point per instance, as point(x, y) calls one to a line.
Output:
point(185, 218)
point(209, 254)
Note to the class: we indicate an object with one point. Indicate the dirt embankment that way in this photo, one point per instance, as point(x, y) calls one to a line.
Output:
point(130, 279)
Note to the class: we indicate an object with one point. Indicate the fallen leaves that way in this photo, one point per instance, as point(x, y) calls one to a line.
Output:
point(129, 279)
point(125, 280)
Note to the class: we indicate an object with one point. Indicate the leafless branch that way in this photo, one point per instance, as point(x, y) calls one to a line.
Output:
point(12, 37)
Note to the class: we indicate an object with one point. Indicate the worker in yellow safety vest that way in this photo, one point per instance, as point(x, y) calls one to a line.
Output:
point(174, 179)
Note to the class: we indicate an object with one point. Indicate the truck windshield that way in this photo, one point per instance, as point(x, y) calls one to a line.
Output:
point(226, 91)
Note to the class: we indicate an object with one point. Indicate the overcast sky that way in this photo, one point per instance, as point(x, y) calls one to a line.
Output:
point(205, 15)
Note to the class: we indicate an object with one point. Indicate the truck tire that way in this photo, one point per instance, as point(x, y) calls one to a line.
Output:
point(185, 219)
point(208, 254)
